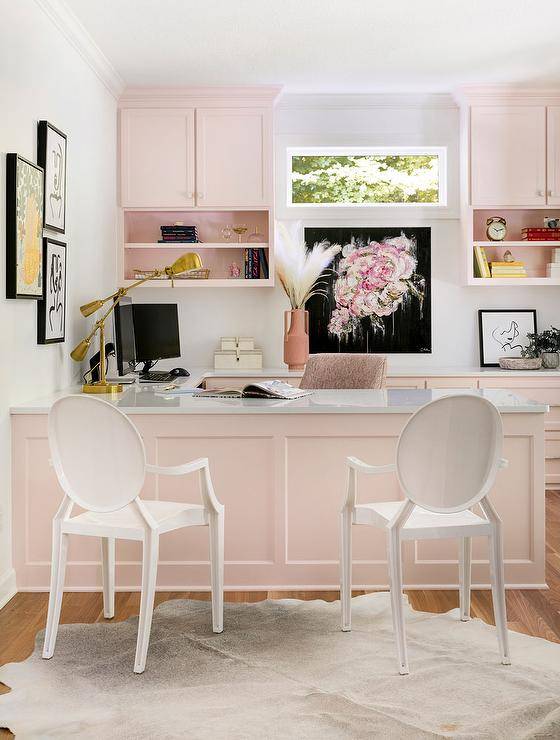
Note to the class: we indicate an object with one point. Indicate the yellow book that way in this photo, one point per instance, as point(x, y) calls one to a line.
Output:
point(507, 264)
point(481, 262)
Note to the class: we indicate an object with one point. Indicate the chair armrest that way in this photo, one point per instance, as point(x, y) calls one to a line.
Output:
point(190, 467)
point(362, 467)
point(503, 463)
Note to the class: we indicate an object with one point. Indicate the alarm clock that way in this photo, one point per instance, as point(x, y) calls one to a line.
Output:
point(496, 228)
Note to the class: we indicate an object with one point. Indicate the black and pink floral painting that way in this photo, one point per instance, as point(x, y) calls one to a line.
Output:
point(378, 292)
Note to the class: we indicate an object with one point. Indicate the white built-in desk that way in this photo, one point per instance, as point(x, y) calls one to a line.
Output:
point(276, 464)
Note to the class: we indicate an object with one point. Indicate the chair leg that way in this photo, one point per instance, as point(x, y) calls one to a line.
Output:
point(108, 574)
point(346, 569)
point(58, 568)
point(149, 574)
point(216, 526)
point(499, 591)
point(395, 569)
point(465, 549)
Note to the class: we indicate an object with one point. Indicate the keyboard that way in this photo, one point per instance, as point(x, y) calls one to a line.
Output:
point(156, 377)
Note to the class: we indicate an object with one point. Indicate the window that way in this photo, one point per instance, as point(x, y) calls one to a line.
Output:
point(372, 176)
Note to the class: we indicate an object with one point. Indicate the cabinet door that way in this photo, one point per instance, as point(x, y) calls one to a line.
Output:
point(233, 156)
point(508, 155)
point(553, 155)
point(157, 157)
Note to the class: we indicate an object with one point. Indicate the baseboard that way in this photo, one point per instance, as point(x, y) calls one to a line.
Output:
point(7, 587)
point(279, 589)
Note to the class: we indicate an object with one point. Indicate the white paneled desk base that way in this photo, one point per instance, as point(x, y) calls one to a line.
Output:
point(280, 471)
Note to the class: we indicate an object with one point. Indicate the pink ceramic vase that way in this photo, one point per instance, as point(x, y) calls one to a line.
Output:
point(296, 338)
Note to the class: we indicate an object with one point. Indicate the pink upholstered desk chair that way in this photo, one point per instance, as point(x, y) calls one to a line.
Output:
point(338, 370)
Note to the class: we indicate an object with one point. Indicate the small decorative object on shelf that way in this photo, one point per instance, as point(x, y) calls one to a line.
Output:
point(551, 223)
point(234, 270)
point(545, 345)
point(508, 256)
point(240, 229)
point(255, 237)
point(496, 228)
point(299, 270)
point(227, 233)
point(520, 363)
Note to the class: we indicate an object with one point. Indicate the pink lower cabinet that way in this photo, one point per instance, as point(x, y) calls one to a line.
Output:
point(282, 478)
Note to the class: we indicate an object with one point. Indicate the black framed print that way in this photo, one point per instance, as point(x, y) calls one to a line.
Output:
point(24, 228)
point(51, 155)
point(51, 311)
point(503, 333)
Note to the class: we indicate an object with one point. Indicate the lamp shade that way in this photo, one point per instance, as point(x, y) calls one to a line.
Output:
point(80, 351)
point(88, 308)
point(186, 262)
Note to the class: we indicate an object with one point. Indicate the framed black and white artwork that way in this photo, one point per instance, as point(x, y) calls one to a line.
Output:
point(51, 154)
point(503, 333)
point(24, 228)
point(51, 311)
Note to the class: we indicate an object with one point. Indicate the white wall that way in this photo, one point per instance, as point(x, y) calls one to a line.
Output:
point(305, 120)
point(43, 77)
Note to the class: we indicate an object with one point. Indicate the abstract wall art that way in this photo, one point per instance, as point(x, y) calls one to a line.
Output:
point(24, 228)
point(503, 333)
point(51, 311)
point(51, 155)
point(378, 293)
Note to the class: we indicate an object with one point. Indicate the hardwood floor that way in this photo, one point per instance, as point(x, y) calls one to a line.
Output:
point(533, 612)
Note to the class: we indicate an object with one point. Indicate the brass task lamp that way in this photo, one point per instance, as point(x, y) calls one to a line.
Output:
point(185, 263)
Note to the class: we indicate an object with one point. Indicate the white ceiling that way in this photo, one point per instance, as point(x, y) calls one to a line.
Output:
point(328, 45)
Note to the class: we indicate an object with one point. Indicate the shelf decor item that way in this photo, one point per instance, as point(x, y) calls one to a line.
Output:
point(496, 228)
point(545, 345)
point(51, 311)
point(520, 363)
point(299, 270)
point(51, 156)
point(24, 228)
point(505, 333)
point(186, 262)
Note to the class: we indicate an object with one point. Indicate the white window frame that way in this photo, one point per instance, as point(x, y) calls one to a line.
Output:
point(319, 151)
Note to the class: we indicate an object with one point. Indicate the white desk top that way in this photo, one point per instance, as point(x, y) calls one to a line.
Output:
point(144, 400)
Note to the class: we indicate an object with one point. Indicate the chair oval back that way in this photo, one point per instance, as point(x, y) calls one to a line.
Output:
point(97, 453)
point(345, 371)
point(448, 453)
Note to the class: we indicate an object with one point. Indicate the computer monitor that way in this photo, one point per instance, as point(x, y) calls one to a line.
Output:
point(124, 336)
point(156, 332)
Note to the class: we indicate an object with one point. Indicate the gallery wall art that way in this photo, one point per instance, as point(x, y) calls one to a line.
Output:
point(503, 333)
point(51, 312)
point(24, 228)
point(51, 155)
point(378, 294)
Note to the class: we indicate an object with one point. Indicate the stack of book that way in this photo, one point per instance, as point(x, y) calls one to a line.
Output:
point(508, 270)
point(481, 267)
point(540, 235)
point(178, 233)
point(553, 268)
point(256, 263)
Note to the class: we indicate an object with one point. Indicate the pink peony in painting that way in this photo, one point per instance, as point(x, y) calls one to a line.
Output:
point(378, 293)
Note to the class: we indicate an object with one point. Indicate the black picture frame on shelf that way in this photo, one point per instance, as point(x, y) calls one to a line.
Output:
point(52, 146)
point(502, 332)
point(24, 228)
point(51, 311)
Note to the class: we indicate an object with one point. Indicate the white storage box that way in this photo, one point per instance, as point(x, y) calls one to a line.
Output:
point(227, 344)
point(242, 360)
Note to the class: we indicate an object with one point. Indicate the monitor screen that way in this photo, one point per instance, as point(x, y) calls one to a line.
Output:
point(124, 336)
point(156, 331)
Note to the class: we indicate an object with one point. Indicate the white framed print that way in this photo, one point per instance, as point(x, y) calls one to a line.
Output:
point(51, 311)
point(503, 333)
point(51, 155)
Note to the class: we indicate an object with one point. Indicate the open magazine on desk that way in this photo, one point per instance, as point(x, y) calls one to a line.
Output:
point(265, 389)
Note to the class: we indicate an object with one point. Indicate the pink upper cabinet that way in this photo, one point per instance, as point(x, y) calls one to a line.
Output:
point(553, 155)
point(157, 157)
point(508, 155)
point(233, 157)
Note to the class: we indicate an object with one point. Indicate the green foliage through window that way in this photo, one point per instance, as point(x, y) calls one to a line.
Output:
point(365, 178)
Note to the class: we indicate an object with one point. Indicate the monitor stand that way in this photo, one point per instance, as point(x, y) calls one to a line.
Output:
point(148, 365)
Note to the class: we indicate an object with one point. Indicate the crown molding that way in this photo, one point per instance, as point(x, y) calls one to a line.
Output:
point(356, 101)
point(75, 33)
point(251, 95)
point(506, 95)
